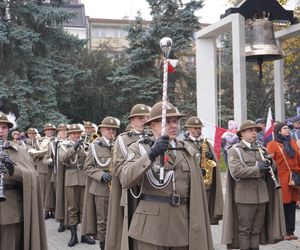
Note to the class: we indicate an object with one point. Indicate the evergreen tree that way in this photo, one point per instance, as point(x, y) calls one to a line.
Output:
point(94, 95)
point(140, 79)
point(33, 68)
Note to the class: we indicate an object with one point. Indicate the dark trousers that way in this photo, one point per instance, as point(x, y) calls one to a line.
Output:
point(250, 223)
point(290, 216)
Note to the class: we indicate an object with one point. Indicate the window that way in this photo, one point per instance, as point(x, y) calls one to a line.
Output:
point(109, 32)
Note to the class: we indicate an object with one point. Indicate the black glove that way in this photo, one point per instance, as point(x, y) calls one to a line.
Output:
point(159, 147)
point(77, 144)
point(106, 177)
point(263, 165)
point(209, 155)
point(203, 172)
point(9, 164)
point(50, 163)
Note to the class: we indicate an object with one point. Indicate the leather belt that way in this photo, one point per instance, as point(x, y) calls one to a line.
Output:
point(174, 200)
point(259, 178)
point(11, 186)
point(71, 167)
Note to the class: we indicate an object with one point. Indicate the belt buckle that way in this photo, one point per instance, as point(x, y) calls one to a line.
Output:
point(175, 200)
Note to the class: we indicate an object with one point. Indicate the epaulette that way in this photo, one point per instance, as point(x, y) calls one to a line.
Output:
point(11, 145)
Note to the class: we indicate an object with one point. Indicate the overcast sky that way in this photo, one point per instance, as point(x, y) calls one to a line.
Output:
point(117, 9)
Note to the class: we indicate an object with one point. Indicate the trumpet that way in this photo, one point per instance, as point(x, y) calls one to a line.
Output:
point(86, 141)
point(265, 156)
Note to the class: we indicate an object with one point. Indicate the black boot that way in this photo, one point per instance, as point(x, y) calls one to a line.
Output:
point(47, 215)
point(87, 239)
point(74, 240)
point(61, 227)
point(102, 244)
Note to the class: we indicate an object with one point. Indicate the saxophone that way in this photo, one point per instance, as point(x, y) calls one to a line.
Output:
point(207, 164)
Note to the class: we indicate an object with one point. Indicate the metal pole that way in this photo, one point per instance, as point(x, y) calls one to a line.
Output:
point(165, 45)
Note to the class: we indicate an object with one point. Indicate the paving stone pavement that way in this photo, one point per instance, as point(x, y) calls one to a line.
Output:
point(59, 241)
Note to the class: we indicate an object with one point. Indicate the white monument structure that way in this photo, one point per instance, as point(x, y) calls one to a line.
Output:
point(206, 61)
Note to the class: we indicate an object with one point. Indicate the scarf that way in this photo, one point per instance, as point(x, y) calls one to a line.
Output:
point(286, 141)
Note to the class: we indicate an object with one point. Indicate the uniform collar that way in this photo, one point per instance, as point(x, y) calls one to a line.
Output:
point(248, 144)
point(194, 138)
point(106, 141)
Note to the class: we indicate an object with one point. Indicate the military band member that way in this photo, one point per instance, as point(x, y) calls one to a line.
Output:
point(21, 213)
point(16, 135)
point(97, 167)
point(209, 163)
point(73, 160)
point(88, 131)
point(42, 167)
point(172, 214)
point(55, 200)
point(48, 160)
point(253, 213)
point(32, 143)
point(117, 222)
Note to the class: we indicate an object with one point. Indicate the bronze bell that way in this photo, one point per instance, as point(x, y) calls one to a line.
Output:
point(260, 43)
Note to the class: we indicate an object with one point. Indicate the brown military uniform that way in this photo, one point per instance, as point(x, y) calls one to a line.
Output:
point(74, 182)
point(158, 220)
point(32, 144)
point(51, 176)
point(250, 197)
point(21, 214)
point(42, 167)
point(98, 161)
point(60, 181)
point(214, 192)
point(117, 224)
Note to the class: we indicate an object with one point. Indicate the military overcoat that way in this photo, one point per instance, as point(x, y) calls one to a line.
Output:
point(32, 211)
point(163, 224)
point(248, 187)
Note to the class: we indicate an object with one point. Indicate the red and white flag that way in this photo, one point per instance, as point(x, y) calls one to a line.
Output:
point(214, 136)
point(269, 125)
point(172, 65)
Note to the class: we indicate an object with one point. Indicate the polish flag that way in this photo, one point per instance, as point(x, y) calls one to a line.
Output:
point(172, 65)
point(214, 136)
point(269, 125)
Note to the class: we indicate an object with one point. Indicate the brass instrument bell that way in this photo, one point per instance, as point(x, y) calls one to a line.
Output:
point(260, 43)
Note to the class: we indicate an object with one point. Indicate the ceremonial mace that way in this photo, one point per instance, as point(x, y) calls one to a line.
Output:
point(165, 45)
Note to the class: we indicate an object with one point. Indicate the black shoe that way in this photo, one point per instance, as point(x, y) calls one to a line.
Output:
point(102, 245)
point(87, 239)
point(47, 215)
point(74, 240)
point(61, 228)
